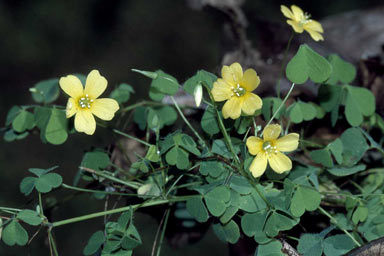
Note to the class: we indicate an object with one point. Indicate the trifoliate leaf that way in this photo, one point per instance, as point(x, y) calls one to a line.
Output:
point(56, 129)
point(122, 93)
point(229, 232)
point(216, 200)
point(304, 199)
point(94, 243)
point(23, 121)
point(14, 233)
point(197, 209)
point(342, 71)
point(46, 91)
point(209, 122)
point(30, 217)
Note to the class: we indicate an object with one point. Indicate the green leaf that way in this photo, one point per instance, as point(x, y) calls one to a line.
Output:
point(253, 223)
point(322, 156)
point(167, 115)
point(14, 233)
point(188, 144)
point(212, 168)
point(345, 171)
point(179, 157)
point(272, 248)
point(301, 111)
point(342, 71)
point(30, 217)
point(338, 245)
point(46, 91)
point(308, 110)
point(270, 106)
point(94, 243)
point(330, 96)
point(95, 160)
point(140, 117)
point(27, 185)
point(304, 199)
point(242, 124)
point(153, 120)
point(197, 209)
point(11, 115)
point(220, 147)
point(240, 184)
point(308, 64)
point(354, 146)
point(200, 76)
point(336, 147)
point(359, 102)
point(216, 200)
point(152, 154)
point(229, 232)
point(278, 222)
point(122, 93)
point(310, 245)
point(165, 83)
point(47, 182)
point(23, 121)
point(228, 214)
point(360, 214)
point(294, 113)
point(56, 129)
point(209, 122)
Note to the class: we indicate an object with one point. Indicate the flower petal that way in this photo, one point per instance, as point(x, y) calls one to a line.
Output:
point(232, 74)
point(287, 143)
point(250, 80)
point(297, 13)
point(104, 108)
point(232, 108)
point(271, 132)
point(255, 145)
point(315, 35)
point(258, 165)
point(72, 86)
point(221, 90)
point(313, 25)
point(95, 84)
point(279, 162)
point(287, 12)
point(296, 26)
point(71, 108)
point(251, 103)
point(85, 122)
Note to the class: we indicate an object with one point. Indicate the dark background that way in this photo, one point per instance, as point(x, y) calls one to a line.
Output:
point(42, 39)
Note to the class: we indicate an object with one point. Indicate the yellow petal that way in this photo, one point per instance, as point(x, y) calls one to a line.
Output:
point(104, 108)
point(251, 103)
point(250, 80)
point(71, 108)
point(313, 25)
point(95, 84)
point(287, 12)
point(287, 143)
point(254, 144)
point(258, 165)
point(72, 86)
point(232, 74)
point(271, 132)
point(279, 162)
point(221, 90)
point(296, 26)
point(85, 122)
point(297, 13)
point(315, 35)
point(232, 108)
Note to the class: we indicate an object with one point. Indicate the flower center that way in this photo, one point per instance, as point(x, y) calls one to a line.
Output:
point(269, 148)
point(85, 101)
point(304, 19)
point(238, 90)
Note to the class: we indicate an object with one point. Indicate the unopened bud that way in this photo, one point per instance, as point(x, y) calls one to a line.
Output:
point(198, 94)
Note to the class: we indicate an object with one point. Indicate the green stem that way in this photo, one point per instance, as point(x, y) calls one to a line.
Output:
point(10, 209)
point(132, 137)
point(142, 103)
point(133, 185)
point(52, 242)
point(95, 191)
point(41, 206)
point(122, 209)
point(221, 125)
point(338, 225)
point(283, 64)
point(202, 142)
point(281, 105)
point(163, 232)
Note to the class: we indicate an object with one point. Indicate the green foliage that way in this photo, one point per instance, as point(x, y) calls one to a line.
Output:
point(307, 64)
point(14, 234)
point(229, 232)
point(304, 198)
point(46, 91)
point(94, 243)
point(201, 76)
point(197, 209)
point(23, 121)
point(342, 71)
point(217, 199)
point(301, 111)
point(30, 217)
point(43, 183)
point(273, 248)
point(122, 93)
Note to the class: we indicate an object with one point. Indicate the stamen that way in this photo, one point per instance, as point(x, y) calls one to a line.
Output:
point(85, 102)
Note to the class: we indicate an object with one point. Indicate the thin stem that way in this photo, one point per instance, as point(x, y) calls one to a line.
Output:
point(281, 105)
point(133, 185)
point(41, 206)
point(283, 64)
point(202, 142)
point(222, 127)
point(96, 191)
point(52, 243)
point(10, 209)
point(122, 209)
point(141, 103)
point(163, 232)
point(131, 137)
point(338, 225)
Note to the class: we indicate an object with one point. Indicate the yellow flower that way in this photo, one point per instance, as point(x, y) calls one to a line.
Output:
point(235, 87)
point(84, 102)
point(268, 150)
point(301, 21)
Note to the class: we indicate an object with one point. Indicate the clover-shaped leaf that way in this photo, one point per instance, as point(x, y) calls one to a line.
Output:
point(360, 102)
point(197, 209)
point(307, 64)
point(44, 182)
point(30, 217)
point(342, 71)
point(217, 199)
point(14, 233)
point(46, 91)
point(304, 198)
